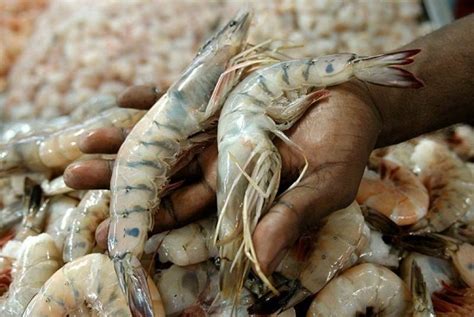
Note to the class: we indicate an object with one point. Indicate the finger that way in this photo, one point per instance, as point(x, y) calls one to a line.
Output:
point(92, 174)
point(139, 97)
point(299, 209)
point(184, 206)
point(101, 234)
point(180, 208)
point(103, 140)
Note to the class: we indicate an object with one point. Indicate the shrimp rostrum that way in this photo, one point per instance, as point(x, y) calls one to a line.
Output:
point(265, 103)
point(153, 149)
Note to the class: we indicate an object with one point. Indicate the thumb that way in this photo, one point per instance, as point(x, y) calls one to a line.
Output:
point(300, 209)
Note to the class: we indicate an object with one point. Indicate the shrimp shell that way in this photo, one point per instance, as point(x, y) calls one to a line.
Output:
point(91, 211)
point(55, 151)
point(360, 287)
point(264, 104)
point(39, 259)
point(90, 279)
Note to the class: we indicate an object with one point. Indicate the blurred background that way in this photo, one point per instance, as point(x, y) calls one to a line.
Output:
point(55, 54)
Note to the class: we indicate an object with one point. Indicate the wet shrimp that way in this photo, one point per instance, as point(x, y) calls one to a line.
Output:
point(316, 258)
point(53, 152)
point(449, 182)
point(6, 265)
point(160, 143)
point(394, 191)
point(55, 187)
point(360, 288)
point(461, 254)
point(60, 214)
point(19, 129)
point(184, 246)
point(34, 212)
point(91, 211)
point(39, 259)
point(421, 297)
point(89, 280)
point(265, 103)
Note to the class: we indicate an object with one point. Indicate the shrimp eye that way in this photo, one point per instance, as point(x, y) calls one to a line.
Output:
point(232, 23)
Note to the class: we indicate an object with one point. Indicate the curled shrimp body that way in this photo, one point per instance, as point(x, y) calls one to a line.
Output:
point(54, 152)
point(184, 246)
point(316, 258)
point(89, 280)
point(358, 288)
point(91, 211)
point(39, 259)
point(396, 192)
point(450, 185)
point(267, 102)
point(60, 214)
point(153, 149)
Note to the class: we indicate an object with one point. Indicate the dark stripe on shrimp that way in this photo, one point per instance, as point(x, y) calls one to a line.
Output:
point(173, 128)
point(164, 144)
point(139, 209)
point(254, 99)
point(284, 76)
point(309, 63)
point(129, 188)
point(261, 82)
point(154, 164)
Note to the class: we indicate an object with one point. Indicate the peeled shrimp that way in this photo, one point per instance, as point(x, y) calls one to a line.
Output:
point(39, 259)
point(90, 279)
point(91, 211)
point(267, 102)
point(187, 245)
point(315, 259)
point(395, 192)
point(449, 182)
point(160, 142)
point(358, 288)
point(55, 151)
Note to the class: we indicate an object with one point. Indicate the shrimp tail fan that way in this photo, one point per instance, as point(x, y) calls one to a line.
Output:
point(385, 69)
point(133, 281)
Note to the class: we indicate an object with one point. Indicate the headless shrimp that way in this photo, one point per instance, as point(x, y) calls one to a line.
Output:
point(362, 287)
point(5, 274)
point(90, 279)
point(188, 245)
point(152, 151)
point(91, 211)
point(55, 151)
point(61, 210)
point(269, 101)
point(314, 261)
point(453, 302)
point(39, 259)
point(461, 254)
point(395, 192)
point(449, 182)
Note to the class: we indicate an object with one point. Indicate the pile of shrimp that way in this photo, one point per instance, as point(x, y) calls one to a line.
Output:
point(403, 247)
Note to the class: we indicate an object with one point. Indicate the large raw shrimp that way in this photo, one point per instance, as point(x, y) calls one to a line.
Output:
point(265, 103)
point(449, 182)
point(39, 259)
point(60, 215)
point(80, 238)
point(53, 152)
point(396, 192)
point(358, 288)
point(315, 259)
point(89, 280)
point(157, 146)
point(187, 245)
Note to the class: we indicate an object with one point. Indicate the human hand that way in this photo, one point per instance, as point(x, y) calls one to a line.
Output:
point(336, 135)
